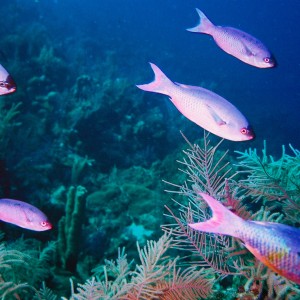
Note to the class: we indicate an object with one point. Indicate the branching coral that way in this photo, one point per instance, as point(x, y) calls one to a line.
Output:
point(208, 172)
point(268, 180)
point(272, 180)
point(157, 277)
point(22, 270)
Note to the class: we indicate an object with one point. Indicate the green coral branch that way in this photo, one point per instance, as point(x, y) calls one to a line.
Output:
point(269, 179)
point(69, 227)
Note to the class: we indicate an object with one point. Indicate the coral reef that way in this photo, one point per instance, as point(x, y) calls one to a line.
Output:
point(212, 174)
point(156, 277)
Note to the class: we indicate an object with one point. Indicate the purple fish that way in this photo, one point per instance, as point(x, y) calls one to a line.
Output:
point(7, 84)
point(203, 107)
point(23, 215)
point(276, 245)
point(235, 42)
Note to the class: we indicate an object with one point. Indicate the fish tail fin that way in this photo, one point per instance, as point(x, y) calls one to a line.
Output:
point(223, 221)
point(160, 84)
point(204, 25)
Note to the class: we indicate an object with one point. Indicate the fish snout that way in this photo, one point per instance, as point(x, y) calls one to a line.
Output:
point(269, 61)
point(8, 86)
point(248, 132)
point(45, 225)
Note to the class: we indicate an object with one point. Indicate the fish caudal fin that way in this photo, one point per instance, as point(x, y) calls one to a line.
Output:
point(223, 221)
point(161, 83)
point(204, 25)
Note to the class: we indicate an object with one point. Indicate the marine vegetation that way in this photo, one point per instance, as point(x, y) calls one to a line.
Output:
point(273, 186)
point(183, 263)
point(156, 277)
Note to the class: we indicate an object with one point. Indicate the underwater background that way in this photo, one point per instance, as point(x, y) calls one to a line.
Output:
point(78, 126)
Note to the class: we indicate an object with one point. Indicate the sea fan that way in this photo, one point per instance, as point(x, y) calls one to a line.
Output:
point(155, 278)
point(268, 181)
point(11, 263)
point(272, 180)
point(207, 171)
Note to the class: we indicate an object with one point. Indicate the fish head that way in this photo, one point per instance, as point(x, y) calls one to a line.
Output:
point(247, 132)
point(44, 225)
point(7, 84)
point(236, 132)
point(39, 224)
point(264, 60)
point(34, 219)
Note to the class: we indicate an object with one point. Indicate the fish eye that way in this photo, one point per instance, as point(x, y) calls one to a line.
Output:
point(244, 131)
point(44, 223)
point(267, 60)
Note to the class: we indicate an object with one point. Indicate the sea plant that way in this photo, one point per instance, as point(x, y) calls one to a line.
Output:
point(12, 263)
point(69, 227)
point(273, 181)
point(156, 277)
point(209, 172)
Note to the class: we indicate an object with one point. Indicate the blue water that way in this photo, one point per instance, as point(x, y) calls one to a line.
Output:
point(139, 32)
point(111, 42)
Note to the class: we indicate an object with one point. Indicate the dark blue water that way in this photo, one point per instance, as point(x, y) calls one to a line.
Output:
point(138, 32)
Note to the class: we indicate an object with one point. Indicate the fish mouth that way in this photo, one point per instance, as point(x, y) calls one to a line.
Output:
point(10, 84)
point(272, 61)
point(250, 134)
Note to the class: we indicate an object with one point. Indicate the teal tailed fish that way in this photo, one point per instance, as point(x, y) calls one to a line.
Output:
point(274, 244)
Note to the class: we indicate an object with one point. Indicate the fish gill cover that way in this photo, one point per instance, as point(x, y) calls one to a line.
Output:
point(83, 144)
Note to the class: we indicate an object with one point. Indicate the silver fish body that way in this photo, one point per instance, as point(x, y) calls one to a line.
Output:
point(203, 107)
point(23, 215)
point(237, 43)
point(7, 84)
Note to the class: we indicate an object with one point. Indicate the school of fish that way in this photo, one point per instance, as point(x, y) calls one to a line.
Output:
point(274, 244)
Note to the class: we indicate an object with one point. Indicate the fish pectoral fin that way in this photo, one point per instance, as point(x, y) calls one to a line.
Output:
point(216, 117)
point(26, 216)
point(248, 51)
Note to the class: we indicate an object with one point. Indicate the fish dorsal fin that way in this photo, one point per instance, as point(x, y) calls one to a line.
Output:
point(215, 116)
point(190, 87)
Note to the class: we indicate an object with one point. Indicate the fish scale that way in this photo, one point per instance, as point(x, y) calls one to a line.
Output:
point(279, 255)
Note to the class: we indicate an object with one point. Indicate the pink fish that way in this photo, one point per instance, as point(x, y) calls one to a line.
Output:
point(203, 107)
point(23, 215)
point(7, 84)
point(235, 42)
point(276, 245)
